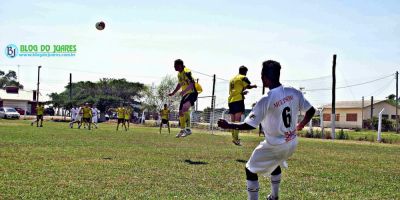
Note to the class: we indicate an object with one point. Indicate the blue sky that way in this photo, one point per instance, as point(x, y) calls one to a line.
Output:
point(142, 39)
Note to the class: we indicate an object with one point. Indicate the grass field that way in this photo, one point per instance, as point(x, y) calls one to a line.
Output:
point(55, 162)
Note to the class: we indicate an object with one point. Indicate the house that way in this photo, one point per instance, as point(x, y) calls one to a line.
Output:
point(350, 114)
point(17, 98)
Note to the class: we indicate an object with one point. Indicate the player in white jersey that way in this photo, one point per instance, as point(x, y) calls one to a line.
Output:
point(277, 113)
point(78, 117)
point(74, 113)
point(95, 116)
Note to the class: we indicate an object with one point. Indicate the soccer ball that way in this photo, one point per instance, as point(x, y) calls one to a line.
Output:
point(100, 25)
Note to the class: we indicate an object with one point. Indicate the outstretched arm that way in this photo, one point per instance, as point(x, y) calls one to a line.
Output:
point(309, 114)
point(178, 86)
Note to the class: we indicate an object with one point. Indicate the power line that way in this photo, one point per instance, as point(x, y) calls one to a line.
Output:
point(343, 87)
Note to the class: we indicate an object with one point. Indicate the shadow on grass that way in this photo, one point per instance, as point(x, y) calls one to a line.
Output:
point(241, 161)
point(107, 158)
point(195, 162)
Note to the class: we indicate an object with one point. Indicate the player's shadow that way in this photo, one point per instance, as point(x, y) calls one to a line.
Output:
point(195, 162)
point(241, 161)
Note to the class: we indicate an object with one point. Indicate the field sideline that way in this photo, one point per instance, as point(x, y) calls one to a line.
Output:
point(55, 162)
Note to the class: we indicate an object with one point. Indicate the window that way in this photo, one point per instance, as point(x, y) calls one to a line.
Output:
point(393, 117)
point(337, 117)
point(351, 117)
point(326, 117)
point(384, 116)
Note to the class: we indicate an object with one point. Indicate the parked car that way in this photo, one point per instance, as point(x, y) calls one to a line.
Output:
point(20, 111)
point(8, 113)
point(49, 111)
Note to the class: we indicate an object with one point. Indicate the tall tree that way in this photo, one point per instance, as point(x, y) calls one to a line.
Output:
point(9, 79)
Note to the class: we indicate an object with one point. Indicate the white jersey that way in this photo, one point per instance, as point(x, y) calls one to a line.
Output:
point(74, 113)
point(277, 112)
point(94, 112)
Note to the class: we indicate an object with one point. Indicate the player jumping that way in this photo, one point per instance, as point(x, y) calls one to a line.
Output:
point(237, 89)
point(189, 95)
point(278, 113)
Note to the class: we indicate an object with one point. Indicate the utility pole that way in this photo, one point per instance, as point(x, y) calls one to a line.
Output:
point(38, 82)
point(70, 87)
point(397, 101)
point(333, 115)
point(372, 112)
point(362, 113)
point(212, 106)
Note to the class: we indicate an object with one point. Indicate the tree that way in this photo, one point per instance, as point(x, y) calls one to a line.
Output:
point(104, 94)
point(391, 97)
point(156, 97)
point(9, 79)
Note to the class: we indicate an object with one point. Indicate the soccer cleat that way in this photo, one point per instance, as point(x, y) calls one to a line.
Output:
point(180, 134)
point(236, 142)
point(187, 132)
point(270, 197)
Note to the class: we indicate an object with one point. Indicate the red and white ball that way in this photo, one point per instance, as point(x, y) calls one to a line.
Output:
point(100, 25)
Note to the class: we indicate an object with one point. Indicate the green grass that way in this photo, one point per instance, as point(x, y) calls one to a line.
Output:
point(55, 162)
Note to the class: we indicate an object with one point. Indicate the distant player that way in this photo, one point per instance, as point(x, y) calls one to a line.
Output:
point(278, 113)
point(86, 116)
point(78, 117)
point(95, 116)
point(237, 89)
point(128, 113)
point(121, 117)
point(39, 115)
point(164, 113)
point(74, 113)
point(189, 95)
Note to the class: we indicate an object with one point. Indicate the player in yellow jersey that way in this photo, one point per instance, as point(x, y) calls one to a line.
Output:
point(39, 115)
point(237, 89)
point(127, 116)
point(165, 117)
point(86, 116)
point(121, 117)
point(189, 95)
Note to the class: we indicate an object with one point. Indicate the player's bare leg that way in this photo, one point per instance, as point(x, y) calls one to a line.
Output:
point(169, 131)
point(161, 124)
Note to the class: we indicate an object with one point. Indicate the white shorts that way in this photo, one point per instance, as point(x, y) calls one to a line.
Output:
point(94, 119)
point(266, 157)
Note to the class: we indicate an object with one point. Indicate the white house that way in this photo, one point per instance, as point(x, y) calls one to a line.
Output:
point(350, 114)
point(14, 97)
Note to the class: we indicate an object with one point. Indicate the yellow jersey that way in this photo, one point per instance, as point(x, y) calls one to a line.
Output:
point(128, 113)
point(236, 87)
point(165, 114)
point(87, 112)
point(185, 79)
point(121, 113)
point(39, 110)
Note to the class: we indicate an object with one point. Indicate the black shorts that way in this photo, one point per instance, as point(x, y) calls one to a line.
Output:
point(236, 107)
point(87, 120)
point(192, 97)
point(164, 121)
point(39, 117)
point(121, 121)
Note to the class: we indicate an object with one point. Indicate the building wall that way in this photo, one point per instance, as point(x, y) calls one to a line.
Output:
point(16, 104)
point(343, 123)
point(389, 110)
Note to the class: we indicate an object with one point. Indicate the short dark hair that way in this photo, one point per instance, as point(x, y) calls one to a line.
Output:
point(271, 70)
point(243, 69)
point(178, 62)
point(165, 105)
